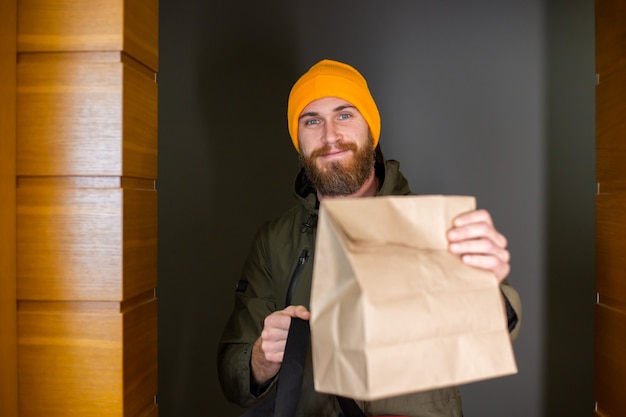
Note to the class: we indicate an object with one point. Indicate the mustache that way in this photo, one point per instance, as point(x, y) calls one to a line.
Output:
point(338, 147)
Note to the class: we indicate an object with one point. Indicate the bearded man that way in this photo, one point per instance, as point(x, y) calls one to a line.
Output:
point(335, 126)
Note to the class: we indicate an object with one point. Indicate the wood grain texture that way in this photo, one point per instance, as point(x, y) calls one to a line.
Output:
point(610, 310)
point(153, 411)
point(610, 361)
point(70, 361)
point(8, 347)
point(141, 31)
point(611, 128)
point(86, 114)
point(610, 41)
point(70, 25)
point(140, 114)
point(86, 359)
point(91, 25)
point(86, 216)
point(139, 242)
point(140, 358)
point(85, 243)
point(69, 117)
point(611, 246)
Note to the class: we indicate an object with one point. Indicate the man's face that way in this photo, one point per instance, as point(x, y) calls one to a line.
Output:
point(335, 146)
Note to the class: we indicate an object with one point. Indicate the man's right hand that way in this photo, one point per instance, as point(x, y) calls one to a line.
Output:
point(269, 348)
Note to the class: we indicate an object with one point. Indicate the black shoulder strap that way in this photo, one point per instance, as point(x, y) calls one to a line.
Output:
point(350, 407)
point(292, 368)
point(283, 402)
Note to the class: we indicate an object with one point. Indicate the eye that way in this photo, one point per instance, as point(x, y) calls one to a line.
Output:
point(344, 116)
point(311, 122)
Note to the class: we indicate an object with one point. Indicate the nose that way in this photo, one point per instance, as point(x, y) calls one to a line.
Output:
point(332, 133)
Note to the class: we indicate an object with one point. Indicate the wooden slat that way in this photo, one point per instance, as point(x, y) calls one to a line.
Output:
point(610, 42)
point(93, 117)
point(70, 361)
point(610, 361)
point(70, 25)
point(611, 245)
point(69, 244)
point(140, 114)
point(86, 207)
point(141, 31)
point(611, 128)
point(139, 242)
point(153, 411)
point(87, 359)
point(85, 243)
point(87, 182)
point(78, 127)
point(140, 358)
point(610, 310)
point(8, 350)
point(91, 25)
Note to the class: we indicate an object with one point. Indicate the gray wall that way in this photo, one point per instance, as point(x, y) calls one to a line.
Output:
point(493, 98)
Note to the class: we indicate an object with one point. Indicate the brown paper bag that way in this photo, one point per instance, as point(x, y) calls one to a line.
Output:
point(392, 311)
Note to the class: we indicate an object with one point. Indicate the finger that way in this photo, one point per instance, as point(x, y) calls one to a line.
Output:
point(477, 231)
point(276, 357)
point(491, 263)
point(297, 311)
point(273, 350)
point(273, 334)
point(486, 261)
point(276, 329)
point(474, 216)
point(480, 247)
point(276, 324)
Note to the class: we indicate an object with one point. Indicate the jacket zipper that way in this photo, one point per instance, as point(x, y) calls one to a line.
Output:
point(293, 282)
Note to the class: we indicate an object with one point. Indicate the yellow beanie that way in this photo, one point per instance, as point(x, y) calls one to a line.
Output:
point(332, 79)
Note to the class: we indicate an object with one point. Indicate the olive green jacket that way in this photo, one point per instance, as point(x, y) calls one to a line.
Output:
point(281, 247)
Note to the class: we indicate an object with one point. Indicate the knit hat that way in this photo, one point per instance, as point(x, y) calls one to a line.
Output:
point(332, 79)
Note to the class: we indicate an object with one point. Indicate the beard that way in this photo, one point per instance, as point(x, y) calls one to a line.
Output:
point(342, 177)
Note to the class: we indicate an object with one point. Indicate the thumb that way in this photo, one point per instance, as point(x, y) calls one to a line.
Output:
point(300, 312)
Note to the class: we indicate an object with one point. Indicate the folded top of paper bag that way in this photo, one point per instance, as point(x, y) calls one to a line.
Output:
point(415, 221)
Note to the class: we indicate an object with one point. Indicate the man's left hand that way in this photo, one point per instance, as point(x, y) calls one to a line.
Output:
point(479, 244)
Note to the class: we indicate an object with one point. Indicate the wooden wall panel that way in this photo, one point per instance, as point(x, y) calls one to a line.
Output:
point(610, 41)
point(70, 359)
point(141, 31)
point(96, 115)
point(85, 243)
point(86, 165)
point(8, 350)
point(610, 309)
point(87, 359)
point(140, 114)
point(70, 25)
point(611, 128)
point(610, 360)
point(91, 25)
point(140, 355)
point(139, 242)
point(611, 245)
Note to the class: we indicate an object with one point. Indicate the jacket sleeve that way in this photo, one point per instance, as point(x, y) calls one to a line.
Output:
point(254, 300)
point(513, 305)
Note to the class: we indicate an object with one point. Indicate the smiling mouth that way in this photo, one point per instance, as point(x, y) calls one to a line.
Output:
point(334, 152)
